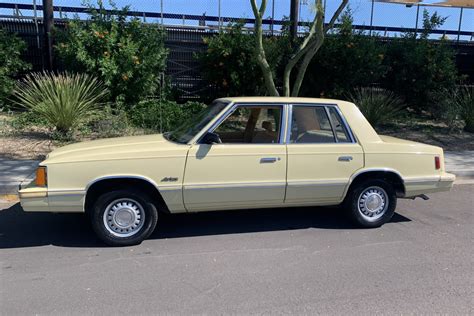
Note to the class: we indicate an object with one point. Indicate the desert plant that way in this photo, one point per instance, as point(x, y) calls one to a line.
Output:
point(379, 106)
point(11, 64)
point(63, 100)
point(126, 54)
point(444, 109)
point(465, 103)
point(164, 115)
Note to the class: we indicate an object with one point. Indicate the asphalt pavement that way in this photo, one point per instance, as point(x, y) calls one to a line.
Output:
point(276, 261)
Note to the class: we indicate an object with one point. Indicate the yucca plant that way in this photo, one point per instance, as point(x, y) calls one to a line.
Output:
point(379, 106)
point(464, 100)
point(64, 100)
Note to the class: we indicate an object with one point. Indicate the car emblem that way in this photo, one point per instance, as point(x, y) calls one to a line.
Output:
point(169, 179)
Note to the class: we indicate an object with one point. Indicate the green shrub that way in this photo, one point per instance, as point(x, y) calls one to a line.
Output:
point(62, 100)
point(162, 116)
point(379, 106)
point(465, 102)
point(346, 60)
point(229, 63)
point(127, 55)
point(11, 64)
point(419, 67)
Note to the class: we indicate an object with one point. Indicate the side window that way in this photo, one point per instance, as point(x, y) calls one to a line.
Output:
point(341, 132)
point(310, 124)
point(251, 125)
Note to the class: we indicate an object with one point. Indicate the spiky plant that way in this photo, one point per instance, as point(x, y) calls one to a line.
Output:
point(378, 105)
point(464, 100)
point(64, 100)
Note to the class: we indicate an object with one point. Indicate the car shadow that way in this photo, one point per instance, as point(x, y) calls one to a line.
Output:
point(19, 229)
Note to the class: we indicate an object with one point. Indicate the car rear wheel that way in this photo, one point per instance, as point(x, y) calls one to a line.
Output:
point(371, 203)
point(124, 218)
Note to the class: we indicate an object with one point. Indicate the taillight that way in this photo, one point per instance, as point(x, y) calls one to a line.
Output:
point(437, 163)
point(41, 177)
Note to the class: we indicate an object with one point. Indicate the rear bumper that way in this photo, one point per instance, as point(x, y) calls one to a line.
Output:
point(418, 186)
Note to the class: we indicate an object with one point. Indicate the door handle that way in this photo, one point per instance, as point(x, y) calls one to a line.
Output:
point(345, 158)
point(269, 160)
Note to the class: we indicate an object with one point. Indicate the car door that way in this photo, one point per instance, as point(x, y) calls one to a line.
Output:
point(246, 170)
point(322, 154)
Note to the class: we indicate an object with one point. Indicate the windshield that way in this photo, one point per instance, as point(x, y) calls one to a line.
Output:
point(195, 124)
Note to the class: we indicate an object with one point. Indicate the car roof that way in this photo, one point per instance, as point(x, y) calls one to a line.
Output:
point(282, 100)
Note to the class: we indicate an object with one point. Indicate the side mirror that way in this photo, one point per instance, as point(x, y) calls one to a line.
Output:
point(211, 138)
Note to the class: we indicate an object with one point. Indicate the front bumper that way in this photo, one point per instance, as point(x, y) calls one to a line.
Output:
point(38, 199)
point(34, 199)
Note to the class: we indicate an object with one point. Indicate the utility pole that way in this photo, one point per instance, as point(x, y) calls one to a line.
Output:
point(48, 23)
point(294, 8)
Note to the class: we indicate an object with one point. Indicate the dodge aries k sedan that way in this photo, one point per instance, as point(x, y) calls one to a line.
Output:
point(238, 153)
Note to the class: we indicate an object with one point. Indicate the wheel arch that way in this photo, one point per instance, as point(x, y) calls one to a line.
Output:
point(390, 175)
point(108, 183)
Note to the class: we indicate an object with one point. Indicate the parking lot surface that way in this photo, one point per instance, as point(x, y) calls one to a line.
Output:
point(275, 261)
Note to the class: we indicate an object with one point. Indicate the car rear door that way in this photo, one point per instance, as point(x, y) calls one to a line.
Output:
point(322, 154)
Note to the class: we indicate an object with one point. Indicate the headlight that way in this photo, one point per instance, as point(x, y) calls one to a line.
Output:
point(41, 177)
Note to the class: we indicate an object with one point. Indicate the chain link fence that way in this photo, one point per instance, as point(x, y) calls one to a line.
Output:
point(218, 13)
point(187, 22)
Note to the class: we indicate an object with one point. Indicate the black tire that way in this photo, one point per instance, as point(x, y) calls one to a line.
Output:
point(137, 201)
point(356, 213)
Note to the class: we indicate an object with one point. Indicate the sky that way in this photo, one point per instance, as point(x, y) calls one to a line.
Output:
point(384, 14)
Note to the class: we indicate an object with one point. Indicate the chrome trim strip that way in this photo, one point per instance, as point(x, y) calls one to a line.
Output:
point(331, 123)
point(346, 125)
point(422, 180)
point(316, 183)
point(362, 171)
point(121, 177)
point(212, 186)
point(32, 195)
point(289, 123)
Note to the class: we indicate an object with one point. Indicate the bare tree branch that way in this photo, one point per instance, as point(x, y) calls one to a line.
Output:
point(303, 48)
point(336, 15)
point(315, 46)
point(260, 51)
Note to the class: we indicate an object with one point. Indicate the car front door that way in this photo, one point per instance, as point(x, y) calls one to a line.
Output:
point(322, 154)
point(248, 169)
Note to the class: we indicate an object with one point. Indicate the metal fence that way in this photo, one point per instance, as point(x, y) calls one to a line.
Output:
point(186, 29)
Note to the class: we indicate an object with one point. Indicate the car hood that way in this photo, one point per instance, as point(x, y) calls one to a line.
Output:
point(132, 147)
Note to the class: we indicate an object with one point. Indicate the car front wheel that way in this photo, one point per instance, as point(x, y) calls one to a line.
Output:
point(371, 203)
point(124, 218)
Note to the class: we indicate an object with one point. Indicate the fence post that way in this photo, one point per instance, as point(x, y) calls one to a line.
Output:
point(48, 22)
point(460, 24)
point(219, 14)
point(161, 10)
point(417, 19)
point(372, 17)
point(273, 15)
point(35, 15)
point(294, 9)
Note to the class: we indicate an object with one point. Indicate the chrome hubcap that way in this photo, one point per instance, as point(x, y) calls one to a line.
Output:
point(372, 203)
point(124, 217)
